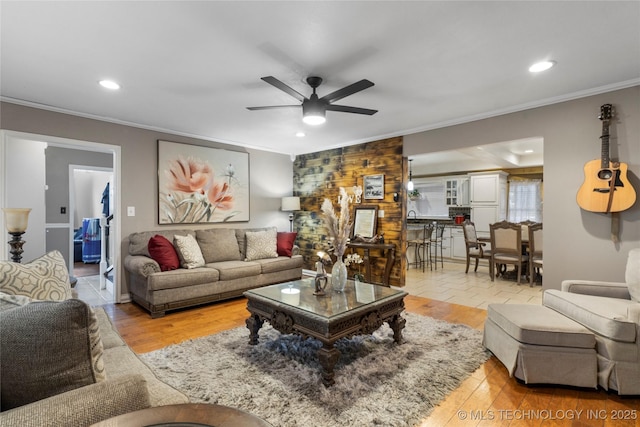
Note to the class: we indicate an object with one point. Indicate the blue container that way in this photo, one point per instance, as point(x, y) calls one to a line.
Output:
point(91, 240)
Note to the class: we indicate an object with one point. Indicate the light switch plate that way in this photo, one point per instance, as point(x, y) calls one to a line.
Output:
point(131, 211)
point(380, 213)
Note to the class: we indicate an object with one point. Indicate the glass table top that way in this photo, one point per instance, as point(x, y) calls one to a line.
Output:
point(299, 294)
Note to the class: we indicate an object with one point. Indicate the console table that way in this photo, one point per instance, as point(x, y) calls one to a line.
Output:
point(388, 250)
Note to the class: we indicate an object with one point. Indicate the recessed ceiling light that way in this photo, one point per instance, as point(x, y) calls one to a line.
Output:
point(300, 134)
point(109, 84)
point(541, 66)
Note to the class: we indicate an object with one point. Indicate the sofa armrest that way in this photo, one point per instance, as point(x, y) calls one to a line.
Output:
point(140, 264)
point(596, 288)
point(83, 406)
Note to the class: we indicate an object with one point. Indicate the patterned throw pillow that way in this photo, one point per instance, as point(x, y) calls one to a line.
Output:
point(261, 244)
point(44, 278)
point(47, 348)
point(188, 251)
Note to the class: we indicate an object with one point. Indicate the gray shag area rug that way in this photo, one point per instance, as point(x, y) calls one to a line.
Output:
point(377, 381)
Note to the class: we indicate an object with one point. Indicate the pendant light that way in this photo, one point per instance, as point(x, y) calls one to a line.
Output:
point(410, 183)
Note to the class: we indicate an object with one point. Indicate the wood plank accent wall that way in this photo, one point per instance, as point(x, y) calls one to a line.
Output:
point(317, 176)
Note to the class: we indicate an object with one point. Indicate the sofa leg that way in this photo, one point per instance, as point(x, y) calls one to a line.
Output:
point(157, 314)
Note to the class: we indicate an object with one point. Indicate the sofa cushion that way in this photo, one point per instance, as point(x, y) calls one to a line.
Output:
point(261, 244)
point(274, 265)
point(632, 274)
point(230, 270)
point(83, 406)
point(538, 325)
point(188, 251)
point(47, 348)
point(44, 278)
point(218, 244)
point(285, 243)
point(8, 301)
point(164, 253)
point(605, 316)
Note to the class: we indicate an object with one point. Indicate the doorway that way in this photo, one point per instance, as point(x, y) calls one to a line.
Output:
point(91, 218)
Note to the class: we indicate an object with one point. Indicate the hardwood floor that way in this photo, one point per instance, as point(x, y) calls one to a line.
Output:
point(487, 398)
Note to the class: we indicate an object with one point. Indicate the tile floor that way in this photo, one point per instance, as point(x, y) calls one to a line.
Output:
point(449, 284)
point(88, 290)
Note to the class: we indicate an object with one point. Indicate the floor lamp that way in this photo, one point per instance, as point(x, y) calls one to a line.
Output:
point(16, 220)
point(290, 204)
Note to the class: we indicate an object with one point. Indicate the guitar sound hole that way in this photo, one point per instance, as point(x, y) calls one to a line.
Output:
point(605, 174)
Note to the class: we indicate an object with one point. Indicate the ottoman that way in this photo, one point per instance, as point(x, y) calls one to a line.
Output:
point(541, 346)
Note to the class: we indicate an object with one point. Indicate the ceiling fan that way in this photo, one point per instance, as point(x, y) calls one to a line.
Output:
point(313, 108)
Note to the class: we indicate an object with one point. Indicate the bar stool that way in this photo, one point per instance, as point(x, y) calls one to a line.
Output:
point(420, 245)
point(435, 242)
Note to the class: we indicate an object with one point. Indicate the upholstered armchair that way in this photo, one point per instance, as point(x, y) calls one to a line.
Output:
point(611, 310)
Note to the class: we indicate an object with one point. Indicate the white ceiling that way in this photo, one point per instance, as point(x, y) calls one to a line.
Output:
point(192, 68)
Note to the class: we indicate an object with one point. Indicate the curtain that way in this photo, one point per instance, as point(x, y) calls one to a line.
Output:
point(525, 200)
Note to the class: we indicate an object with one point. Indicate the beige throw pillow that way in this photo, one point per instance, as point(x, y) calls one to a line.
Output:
point(44, 278)
point(262, 244)
point(188, 251)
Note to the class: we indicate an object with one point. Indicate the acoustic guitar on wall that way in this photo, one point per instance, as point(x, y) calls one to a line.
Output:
point(606, 187)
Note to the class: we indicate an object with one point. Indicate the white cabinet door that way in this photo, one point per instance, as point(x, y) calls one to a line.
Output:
point(458, 250)
point(482, 216)
point(484, 189)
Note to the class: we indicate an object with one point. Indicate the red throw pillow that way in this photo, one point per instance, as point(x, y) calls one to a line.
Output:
point(285, 243)
point(163, 252)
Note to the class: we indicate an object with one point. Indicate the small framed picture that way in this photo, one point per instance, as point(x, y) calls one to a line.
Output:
point(374, 187)
point(365, 221)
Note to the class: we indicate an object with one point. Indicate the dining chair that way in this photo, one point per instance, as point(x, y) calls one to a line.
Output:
point(506, 247)
point(437, 236)
point(535, 251)
point(474, 248)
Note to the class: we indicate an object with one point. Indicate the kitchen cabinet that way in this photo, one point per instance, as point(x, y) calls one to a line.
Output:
point(458, 246)
point(488, 199)
point(456, 191)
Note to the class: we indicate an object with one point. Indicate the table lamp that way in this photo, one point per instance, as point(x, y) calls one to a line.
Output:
point(290, 204)
point(16, 220)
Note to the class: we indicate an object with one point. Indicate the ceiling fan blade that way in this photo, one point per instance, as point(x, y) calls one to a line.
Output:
point(345, 109)
point(273, 107)
point(283, 87)
point(347, 90)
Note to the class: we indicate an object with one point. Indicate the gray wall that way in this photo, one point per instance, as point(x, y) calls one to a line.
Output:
point(271, 175)
point(577, 243)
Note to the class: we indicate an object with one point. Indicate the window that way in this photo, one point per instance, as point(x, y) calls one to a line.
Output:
point(525, 200)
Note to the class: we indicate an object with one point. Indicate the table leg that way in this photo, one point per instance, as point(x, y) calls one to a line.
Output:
point(328, 356)
point(367, 266)
point(254, 323)
point(397, 323)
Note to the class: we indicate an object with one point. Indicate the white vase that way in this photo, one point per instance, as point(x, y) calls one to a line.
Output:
point(339, 276)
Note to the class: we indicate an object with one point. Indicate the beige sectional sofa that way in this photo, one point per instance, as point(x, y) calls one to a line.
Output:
point(235, 260)
point(64, 363)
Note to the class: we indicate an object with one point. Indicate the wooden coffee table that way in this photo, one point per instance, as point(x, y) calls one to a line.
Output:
point(196, 414)
point(361, 309)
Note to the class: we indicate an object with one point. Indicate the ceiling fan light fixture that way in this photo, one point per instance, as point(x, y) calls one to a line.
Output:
point(312, 115)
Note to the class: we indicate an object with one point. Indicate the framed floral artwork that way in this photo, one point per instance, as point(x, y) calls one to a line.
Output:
point(199, 184)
